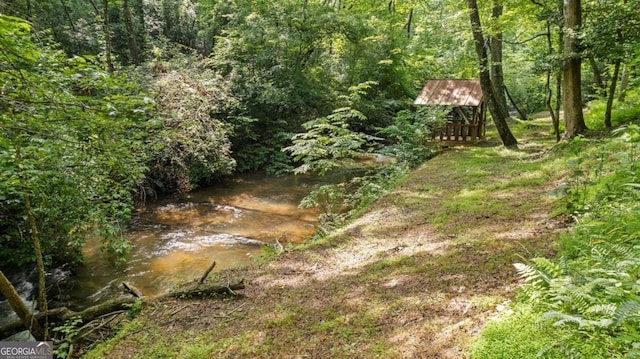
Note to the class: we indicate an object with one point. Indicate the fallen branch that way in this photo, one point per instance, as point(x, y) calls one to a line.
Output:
point(206, 273)
point(179, 310)
point(129, 288)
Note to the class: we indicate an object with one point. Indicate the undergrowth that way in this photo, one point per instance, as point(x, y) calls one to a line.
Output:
point(404, 149)
point(625, 112)
point(586, 302)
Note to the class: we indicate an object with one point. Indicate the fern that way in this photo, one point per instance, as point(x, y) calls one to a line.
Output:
point(627, 310)
point(593, 288)
point(540, 273)
point(582, 322)
point(602, 309)
point(565, 318)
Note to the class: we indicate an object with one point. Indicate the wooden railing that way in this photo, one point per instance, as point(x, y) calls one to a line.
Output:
point(460, 132)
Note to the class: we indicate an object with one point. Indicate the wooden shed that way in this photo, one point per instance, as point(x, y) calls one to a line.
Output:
point(468, 115)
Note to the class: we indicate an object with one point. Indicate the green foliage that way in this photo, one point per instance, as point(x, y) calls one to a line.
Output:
point(328, 144)
point(135, 308)
point(628, 111)
point(612, 29)
point(342, 202)
point(269, 252)
point(329, 141)
point(590, 293)
point(71, 140)
point(67, 331)
point(255, 148)
point(408, 136)
point(193, 145)
point(520, 332)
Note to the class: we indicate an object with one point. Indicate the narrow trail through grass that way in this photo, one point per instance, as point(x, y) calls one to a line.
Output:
point(415, 277)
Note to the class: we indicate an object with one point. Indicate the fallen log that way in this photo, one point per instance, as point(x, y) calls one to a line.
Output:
point(198, 291)
point(62, 314)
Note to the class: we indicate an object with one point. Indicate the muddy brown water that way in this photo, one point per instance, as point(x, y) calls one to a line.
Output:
point(175, 239)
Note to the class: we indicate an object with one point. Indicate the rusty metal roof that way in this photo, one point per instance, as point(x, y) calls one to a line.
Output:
point(451, 92)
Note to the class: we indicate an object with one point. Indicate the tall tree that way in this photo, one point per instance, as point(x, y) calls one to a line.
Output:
point(555, 119)
point(497, 73)
point(571, 86)
point(134, 49)
point(485, 78)
point(612, 93)
point(551, 14)
point(107, 35)
point(559, 71)
point(624, 82)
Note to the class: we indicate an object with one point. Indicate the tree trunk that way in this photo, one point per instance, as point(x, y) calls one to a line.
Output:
point(26, 317)
point(131, 35)
point(497, 75)
point(555, 121)
point(624, 82)
point(138, 7)
point(559, 69)
point(597, 74)
point(95, 8)
point(60, 315)
point(547, 101)
point(522, 115)
point(572, 93)
point(107, 34)
point(37, 249)
point(68, 15)
point(611, 94)
point(408, 24)
point(485, 78)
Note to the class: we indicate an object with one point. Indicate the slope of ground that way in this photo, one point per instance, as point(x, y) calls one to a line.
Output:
point(415, 277)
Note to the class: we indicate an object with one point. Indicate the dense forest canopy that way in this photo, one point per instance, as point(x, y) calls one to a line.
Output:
point(104, 103)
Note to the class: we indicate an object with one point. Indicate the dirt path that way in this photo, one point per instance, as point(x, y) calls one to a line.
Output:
point(414, 277)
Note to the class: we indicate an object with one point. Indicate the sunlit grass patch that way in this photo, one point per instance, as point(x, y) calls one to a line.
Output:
point(519, 332)
point(393, 263)
point(283, 318)
point(625, 112)
point(515, 334)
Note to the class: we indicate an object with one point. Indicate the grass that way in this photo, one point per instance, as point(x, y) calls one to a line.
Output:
point(416, 275)
point(577, 305)
point(519, 332)
point(622, 113)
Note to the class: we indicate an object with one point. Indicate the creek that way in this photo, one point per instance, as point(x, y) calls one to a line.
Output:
point(175, 239)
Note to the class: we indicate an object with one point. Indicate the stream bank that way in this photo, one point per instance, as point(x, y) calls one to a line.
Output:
point(415, 276)
point(174, 238)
